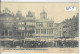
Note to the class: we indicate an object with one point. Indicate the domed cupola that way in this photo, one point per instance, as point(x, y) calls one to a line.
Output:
point(6, 11)
point(30, 14)
point(43, 15)
point(18, 14)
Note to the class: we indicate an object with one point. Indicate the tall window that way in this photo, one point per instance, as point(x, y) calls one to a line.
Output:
point(49, 24)
point(43, 31)
point(39, 24)
point(37, 31)
point(6, 32)
point(49, 31)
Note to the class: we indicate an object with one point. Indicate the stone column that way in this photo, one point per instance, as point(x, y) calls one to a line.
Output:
point(8, 33)
point(4, 33)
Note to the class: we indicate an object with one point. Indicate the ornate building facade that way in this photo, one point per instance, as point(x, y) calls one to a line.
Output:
point(29, 26)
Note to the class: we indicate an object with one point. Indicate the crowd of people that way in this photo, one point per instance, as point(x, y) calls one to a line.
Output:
point(40, 44)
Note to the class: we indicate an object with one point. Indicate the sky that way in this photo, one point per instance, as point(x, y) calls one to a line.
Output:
point(55, 11)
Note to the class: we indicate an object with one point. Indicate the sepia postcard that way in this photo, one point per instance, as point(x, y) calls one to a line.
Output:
point(39, 27)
